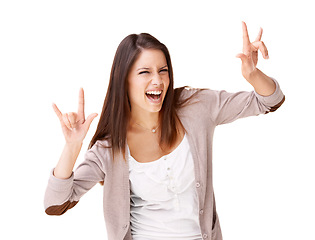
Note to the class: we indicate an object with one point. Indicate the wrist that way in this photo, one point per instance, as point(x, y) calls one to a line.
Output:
point(253, 75)
point(74, 145)
point(73, 149)
point(67, 160)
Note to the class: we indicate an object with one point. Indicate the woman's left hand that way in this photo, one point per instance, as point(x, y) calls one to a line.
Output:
point(249, 56)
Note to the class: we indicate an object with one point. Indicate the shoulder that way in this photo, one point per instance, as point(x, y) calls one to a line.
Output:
point(193, 95)
point(197, 103)
point(100, 150)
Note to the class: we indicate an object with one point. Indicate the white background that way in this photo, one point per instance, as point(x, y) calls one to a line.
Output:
point(263, 166)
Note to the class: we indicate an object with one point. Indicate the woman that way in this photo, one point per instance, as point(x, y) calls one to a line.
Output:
point(152, 149)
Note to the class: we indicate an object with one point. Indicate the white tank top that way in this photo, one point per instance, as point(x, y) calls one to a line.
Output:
point(164, 202)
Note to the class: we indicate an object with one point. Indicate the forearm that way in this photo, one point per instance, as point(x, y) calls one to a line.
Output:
point(262, 84)
point(66, 162)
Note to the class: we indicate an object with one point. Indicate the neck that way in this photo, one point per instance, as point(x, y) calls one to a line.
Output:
point(149, 120)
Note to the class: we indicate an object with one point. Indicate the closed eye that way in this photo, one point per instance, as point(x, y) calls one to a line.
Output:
point(143, 72)
point(162, 70)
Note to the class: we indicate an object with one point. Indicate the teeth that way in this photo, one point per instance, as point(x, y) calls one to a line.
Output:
point(154, 92)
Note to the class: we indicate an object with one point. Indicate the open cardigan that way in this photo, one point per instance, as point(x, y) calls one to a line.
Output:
point(200, 116)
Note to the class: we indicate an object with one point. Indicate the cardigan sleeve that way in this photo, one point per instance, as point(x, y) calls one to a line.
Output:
point(225, 107)
point(64, 194)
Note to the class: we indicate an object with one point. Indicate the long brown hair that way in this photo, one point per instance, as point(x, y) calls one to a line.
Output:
point(115, 114)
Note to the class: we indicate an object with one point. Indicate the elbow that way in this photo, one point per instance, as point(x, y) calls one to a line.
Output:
point(275, 107)
point(57, 210)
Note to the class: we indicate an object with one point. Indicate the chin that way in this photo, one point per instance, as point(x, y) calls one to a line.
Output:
point(155, 109)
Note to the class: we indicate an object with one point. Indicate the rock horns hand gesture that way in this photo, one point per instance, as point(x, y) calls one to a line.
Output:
point(249, 56)
point(74, 125)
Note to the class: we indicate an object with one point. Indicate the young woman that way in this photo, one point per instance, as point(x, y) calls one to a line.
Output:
point(152, 149)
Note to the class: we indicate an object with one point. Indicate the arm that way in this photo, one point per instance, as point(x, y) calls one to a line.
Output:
point(226, 107)
point(262, 84)
point(265, 87)
point(59, 193)
point(66, 162)
point(63, 194)
point(266, 97)
point(74, 127)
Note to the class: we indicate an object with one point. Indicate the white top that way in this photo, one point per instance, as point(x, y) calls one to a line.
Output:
point(164, 203)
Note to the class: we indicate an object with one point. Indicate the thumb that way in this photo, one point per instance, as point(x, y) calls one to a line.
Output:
point(89, 120)
point(241, 56)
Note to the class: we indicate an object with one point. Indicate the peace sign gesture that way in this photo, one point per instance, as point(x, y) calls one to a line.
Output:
point(249, 56)
point(74, 125)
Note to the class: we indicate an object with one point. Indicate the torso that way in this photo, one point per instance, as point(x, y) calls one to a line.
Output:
point(144, 145)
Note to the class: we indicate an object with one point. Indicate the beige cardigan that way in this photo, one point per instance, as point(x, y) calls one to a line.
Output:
point(204, 112)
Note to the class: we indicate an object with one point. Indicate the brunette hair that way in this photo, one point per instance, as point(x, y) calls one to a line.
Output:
point(115, 114)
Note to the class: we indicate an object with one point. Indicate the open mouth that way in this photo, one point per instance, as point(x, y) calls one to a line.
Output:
point(154, 96)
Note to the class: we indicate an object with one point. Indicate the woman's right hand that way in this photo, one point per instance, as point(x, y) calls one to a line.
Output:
point(74, 125)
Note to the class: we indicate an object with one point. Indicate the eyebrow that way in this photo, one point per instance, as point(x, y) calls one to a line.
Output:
point(149, 68)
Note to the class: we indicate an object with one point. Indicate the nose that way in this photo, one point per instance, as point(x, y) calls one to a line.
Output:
point(156, 79)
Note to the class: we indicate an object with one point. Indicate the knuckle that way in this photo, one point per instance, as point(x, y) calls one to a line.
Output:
point(65, 118)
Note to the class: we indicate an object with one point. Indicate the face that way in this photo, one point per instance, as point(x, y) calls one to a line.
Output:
point(148, 81)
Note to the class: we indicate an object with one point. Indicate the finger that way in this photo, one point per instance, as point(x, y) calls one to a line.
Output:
point(81, 105)
point(60, 116)
point(66, 120)
point(57, 111)
point(258, 38)
point(242, 56)
point(89, 120)
point(246, 41)
point(262, 48)
point(72, 118)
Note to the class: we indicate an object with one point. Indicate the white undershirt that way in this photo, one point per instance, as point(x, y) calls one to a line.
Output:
point(164, 203)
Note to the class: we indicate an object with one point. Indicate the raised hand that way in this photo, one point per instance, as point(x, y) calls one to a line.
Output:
point(74, 125)
point(249, 56)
